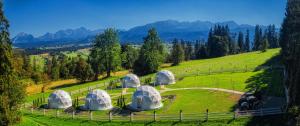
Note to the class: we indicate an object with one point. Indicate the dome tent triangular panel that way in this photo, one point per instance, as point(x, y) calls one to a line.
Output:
point(164, 77)
point(59, 99)
point(98, 100)
point(130, 81)
point(146, 98)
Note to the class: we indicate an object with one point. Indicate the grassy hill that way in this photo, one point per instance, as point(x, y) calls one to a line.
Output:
point(242, 72)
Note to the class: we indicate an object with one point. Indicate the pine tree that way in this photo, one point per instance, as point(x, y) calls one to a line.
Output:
point(219, 41)
point(151, 54)
point(55, 68)
point(289, 41)
point(188, 51)
point(177, 53)
point(84, 71)
point(247, 42)
point(129, 56)
point(258, 37)
point(12, 92)
point(264, 45)
point(241, 45)
point(106, 52)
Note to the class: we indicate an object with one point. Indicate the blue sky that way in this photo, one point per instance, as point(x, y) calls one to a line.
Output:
point(40, 16)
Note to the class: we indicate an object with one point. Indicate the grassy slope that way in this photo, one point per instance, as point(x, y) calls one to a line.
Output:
point(238, 72)
point(33, 120)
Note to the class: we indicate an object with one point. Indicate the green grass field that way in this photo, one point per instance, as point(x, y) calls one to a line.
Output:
point(236, 72)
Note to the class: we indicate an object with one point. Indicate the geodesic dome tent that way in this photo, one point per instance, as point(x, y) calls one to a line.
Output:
point(146, 98)
point(130, 81)
point(98, 100)
point(59, 99)
point(164, 77)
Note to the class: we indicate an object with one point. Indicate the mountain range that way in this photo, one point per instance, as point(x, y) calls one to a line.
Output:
point(167, 30)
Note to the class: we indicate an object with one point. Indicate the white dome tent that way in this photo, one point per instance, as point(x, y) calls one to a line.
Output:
point(59, 99)
point(130, 81)
point(146, 98)
point(164, 77)
point(98, 100)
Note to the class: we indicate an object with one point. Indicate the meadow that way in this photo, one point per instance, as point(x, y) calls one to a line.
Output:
point(242, 72)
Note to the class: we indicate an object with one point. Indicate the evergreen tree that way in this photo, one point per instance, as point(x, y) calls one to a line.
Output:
point(258, 37)
point(106, 52)
point(84, 71)
point(177, 53)
point(12, 92)
point(241, 45)
point(129, 56)
point(247, 42)
point(289, 41)
point(151, 54)
point(188, 51)
point(219, 41)
point(272, 36)
point(55, 68)
point(264, 45)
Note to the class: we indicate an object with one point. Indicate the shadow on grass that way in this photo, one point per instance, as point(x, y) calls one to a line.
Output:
point(267, 83)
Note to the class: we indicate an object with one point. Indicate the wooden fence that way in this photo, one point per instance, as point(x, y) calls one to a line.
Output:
point(181, 116)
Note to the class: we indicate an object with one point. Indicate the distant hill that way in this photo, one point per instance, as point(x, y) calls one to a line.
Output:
point(168, 30)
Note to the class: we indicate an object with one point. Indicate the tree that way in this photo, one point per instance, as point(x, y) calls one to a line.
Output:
point(289, 41)
point(151, 54)
point(12, 92)
point(258, 37)
point(55, 72)
point(83, 70)
point(177, 53)
point(264, 45)
point(188, 50)
point(129, 56)
point(247, 42)
point(272, 36)
point(241, 45)
point(106, 52)
point(219, 41)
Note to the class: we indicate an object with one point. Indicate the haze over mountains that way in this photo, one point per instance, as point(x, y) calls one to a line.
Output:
point(168, 30)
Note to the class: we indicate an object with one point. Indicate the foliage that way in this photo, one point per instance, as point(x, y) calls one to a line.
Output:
point(12, 92)
point(151, 54)
point(105, 54)
point(177, 53)
point(129, 56)
point(219, 41)
point(289, 41)
point(83, 71)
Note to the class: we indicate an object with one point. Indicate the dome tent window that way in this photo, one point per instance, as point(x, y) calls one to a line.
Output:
point(164, 77)
point(59, 99)
point(130, 81)
point(146, 98)
point(98, 100)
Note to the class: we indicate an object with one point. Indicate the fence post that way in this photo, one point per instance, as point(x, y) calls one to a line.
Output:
point(73, 114)
point(131, 116)
point(91, 115)
point(180, 115)
point(57, 113)
point(206, 117)
point(110, 117)
point(154, 116)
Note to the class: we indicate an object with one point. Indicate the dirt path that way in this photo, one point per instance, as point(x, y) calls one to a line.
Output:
point(202, 88)
point(191, 88)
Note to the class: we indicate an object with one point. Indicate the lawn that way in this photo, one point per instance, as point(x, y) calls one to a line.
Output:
point(236, 72)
